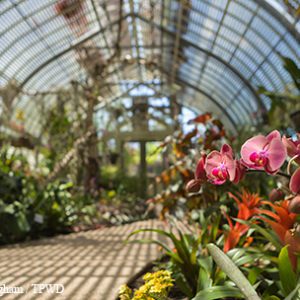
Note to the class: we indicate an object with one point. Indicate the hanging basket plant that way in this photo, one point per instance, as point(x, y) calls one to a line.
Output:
point(69, 8)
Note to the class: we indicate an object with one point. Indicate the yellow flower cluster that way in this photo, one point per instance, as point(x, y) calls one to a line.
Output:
point(157, 286)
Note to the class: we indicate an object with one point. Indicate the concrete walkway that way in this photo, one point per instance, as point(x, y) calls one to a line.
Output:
point(90, 265)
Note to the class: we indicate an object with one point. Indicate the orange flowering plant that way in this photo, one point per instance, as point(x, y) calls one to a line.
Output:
point(248, 206)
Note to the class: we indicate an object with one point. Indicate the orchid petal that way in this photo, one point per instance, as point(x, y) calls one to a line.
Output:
point(227, 150)
point(255, 144)
point(295, 182)
point(275, 134)
point(276, 154)
point(231, 167)
point(200, 171)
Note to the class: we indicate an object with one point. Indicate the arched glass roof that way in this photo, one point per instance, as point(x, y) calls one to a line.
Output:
point(212, 53)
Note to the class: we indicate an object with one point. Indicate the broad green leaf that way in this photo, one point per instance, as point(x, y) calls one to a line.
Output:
point(218, 292)
point(287, 276)
point(233, 272)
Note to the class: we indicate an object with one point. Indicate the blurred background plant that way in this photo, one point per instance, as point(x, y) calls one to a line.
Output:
point(285, 106)
point(29, 209)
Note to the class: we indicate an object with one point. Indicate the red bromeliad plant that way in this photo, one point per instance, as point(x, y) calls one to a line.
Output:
point(283, 223)
point(248, 206)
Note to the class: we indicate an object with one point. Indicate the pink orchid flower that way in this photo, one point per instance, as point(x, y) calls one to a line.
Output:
point(264, 152)
point(292, 147)
point(295, 182)
point(220, 166)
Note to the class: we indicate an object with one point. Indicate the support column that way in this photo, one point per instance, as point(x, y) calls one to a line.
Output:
point(143, 170)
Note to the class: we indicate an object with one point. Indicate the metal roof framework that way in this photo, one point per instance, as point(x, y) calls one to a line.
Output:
point(212, 53)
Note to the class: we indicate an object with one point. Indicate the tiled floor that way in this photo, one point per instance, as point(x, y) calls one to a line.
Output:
point(90, 265)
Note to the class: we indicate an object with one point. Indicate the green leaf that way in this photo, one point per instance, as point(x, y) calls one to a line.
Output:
point(184, 286)
point(159, 231)
point(206, 263)
point(169, 252)
point(253, 274)
point(244, 260)
point(239, 256)
point(9, 209)
point(22, 222)
point(262, 231)
point(293, 293)
point(287, 276)
point(293, 69)
point(218, 292)
point(204, 280)
point(272, 298)
point(233, 272)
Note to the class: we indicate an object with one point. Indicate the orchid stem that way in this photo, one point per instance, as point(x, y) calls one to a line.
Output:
point(262, 171)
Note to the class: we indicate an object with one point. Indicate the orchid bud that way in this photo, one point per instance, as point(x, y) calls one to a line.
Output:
point(294, 205)
point(292, 147)
point(193, 186)
point(276, 195)
point(295, 182)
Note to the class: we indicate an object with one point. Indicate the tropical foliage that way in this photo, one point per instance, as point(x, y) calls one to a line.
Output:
point(29, 209)
point(259, 235)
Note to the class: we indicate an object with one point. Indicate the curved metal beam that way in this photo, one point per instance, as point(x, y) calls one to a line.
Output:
point(280, 17)
point(180, 82)
point(73, 47)
point(185, 83)
point(208, 53)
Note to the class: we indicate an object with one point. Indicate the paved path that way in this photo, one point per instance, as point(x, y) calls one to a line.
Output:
point(91, 265)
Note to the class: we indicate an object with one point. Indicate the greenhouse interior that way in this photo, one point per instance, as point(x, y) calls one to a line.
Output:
point(150, 150)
